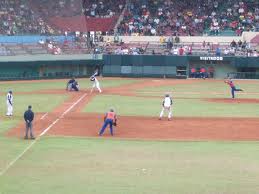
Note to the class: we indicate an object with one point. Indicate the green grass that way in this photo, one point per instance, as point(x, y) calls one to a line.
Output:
point(10, 148)
point(59, 84)
point(203, 90)
point(111, 166)
point(75, 165)
point(123, 105)
point(40, 103)
point(141, 106)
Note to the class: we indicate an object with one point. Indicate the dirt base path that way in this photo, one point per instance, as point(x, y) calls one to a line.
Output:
point(44, 120)
point(88, 125)
point(76, 123)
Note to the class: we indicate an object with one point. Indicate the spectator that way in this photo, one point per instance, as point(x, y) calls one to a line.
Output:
point(218, 52)
point(181, 51)
point(177, 40)
point(233, 44)
point(203, 73)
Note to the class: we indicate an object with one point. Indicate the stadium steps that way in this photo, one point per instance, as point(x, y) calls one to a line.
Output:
point(83, 24)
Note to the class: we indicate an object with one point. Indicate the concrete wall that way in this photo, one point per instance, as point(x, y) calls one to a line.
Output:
point(195, 39)
point(221, 71)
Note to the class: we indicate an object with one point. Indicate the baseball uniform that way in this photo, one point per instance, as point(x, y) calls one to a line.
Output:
point(9, 103)
point(167, 106)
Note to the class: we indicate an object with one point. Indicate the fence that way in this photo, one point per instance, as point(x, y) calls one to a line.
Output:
point(244, 75)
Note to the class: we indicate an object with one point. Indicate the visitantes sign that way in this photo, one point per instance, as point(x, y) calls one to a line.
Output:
point(211, 58)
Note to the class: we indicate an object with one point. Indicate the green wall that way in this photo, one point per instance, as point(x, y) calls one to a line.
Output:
point(47, 69)
point(142, 66)
point(120, 65)
point(163, 65)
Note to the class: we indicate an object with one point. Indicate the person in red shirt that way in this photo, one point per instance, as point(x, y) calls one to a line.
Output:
point(232, 86)
point(109, 119)
point(181, 51)
point(193, 72)
point(203, 73)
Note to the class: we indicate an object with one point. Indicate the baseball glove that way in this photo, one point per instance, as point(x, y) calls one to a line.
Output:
point(115, 124)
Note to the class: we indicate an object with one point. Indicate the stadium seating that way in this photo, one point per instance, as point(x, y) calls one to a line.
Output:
point(142, 17)
point(190, 17)
point(82, 24)
point(18, 18)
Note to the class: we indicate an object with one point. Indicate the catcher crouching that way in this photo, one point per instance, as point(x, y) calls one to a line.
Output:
point(109, 119)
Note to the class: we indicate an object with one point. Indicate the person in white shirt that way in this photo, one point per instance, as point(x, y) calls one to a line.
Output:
point(96, 84)
point(9, 103)
point(167, 105)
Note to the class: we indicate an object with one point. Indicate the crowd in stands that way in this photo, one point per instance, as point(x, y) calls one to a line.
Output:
point(68, 8)
point(171, 17)
point(16, 17)
point(142, 17)
point(63, 8)
point(236, 15)
point(103, 8)
point(174, 46)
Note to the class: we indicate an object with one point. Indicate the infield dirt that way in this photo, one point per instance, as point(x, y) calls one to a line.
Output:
point(77, 123)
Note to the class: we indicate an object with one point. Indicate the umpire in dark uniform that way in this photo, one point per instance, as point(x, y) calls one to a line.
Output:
point(28, 117)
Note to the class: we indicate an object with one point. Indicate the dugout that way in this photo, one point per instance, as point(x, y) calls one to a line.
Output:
point(236, 67)
point(180, 66)
point(215, 67)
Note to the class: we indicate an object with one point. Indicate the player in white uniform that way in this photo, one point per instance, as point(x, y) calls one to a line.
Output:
point(96, 84)
point(167, 105)
point(9, 103)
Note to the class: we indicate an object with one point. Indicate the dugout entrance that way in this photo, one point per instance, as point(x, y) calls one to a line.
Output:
point(209, 67)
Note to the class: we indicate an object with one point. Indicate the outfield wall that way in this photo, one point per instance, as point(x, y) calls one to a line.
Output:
point(51, 66)
point(48, 66)
point(174, 66)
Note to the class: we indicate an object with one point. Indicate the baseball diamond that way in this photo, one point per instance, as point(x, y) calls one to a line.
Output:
point(129, 97)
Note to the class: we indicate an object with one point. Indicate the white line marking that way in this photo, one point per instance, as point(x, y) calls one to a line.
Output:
point(38, 138)
point(46, 130)
point(43, 116)
point(17, 158)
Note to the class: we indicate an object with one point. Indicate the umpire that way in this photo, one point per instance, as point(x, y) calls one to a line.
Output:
point(28, 117)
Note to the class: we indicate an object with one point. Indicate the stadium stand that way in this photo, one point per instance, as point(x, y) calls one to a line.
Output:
point(71, 14)
point(142, 17)
point(165, 18)
point(186, 17)
point(18, 18)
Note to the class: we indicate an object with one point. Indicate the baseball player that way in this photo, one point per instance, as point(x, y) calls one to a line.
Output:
point(232, 86)
point(109, 119)
point(96, 84)
point(72, 85)
point(9, 103)
point(167, 105)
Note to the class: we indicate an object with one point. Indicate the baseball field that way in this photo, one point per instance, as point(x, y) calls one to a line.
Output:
point(210, 146)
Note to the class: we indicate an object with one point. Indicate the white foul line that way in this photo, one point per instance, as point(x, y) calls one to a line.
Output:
point(43, 116)
point(38, 138)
